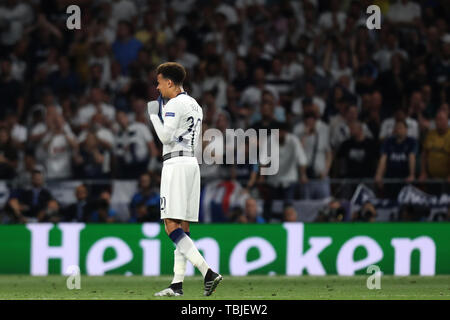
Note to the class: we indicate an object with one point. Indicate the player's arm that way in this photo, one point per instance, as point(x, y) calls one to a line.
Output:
point(165, 131)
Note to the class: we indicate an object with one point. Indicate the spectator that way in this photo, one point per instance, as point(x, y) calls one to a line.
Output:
point(24, 173)
point(387, 126)
point(250, 213)
point(404, 13)
point(96, 105)
point(341, 131)
point(98, 126)
point(103, 212)
point(51, 214)
point(357, 155)
point(252, 95)
point(392, 84)
point(144, 206)
point(100, 57)
point(290, 214)
point(17, 131)
point(126, 47)
point(59, 144)
point(367, 213)
point(11, 91)
point(417, 111)
point(246, 173)
point(275, 113)
point(371, 112)
point(291, 172)
point(312, 73)
point(334, 19)
point(133, 147)
point(64, 80)
point(310, 95)
point(317, 148)
point(435, 158)
point(29, 205)
point(334, 211)
point(119, 85)
point(268, 120)
point(91, 161)
point(8, 155)
point(398, 160)
point(241, 78)
point(278, 80)
point(366, 71)
point(81, 209)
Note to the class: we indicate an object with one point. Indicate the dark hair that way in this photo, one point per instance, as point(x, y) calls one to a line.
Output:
point(128, 24)
point(173, 71)
point(402, 122)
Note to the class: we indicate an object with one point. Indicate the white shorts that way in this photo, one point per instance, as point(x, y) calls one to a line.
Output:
point(180, 189)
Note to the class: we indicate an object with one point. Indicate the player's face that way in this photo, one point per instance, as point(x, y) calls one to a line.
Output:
point(163, 85)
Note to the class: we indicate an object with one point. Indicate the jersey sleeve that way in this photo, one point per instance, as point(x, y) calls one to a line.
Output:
point(171, 114)
point(170, 120)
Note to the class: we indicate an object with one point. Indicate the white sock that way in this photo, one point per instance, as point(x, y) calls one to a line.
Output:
point(188, 249)
point(179, 266)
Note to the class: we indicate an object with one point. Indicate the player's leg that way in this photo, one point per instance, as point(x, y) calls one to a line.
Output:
point(211, 279)
point(185, 244)
point(179, 268)
point(190, 251)
point(179, 265)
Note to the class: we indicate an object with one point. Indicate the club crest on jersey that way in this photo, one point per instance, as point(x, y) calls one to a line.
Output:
point(170, 114)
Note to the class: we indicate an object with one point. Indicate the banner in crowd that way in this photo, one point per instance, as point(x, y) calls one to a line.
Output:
point(283, 249)
point(408, 195)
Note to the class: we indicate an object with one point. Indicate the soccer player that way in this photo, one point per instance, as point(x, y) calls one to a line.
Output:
point(178, 125)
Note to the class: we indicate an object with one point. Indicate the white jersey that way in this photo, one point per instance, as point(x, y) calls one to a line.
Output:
point(183, 116)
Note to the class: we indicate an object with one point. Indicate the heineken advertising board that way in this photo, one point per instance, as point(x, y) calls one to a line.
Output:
point(236, 249)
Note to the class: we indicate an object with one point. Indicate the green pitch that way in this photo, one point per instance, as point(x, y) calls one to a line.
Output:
point(232, 288)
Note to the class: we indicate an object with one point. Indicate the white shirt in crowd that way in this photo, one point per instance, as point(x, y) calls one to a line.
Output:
point(17, 18)
point(293, 157)
point(102, 133)
point(136, 136)
point(86, 113)
point(341, 132)
point(58, 160)
point(387, 128)
point(122, 10)
point(399, 12)
point(19, 133)
point(297, 105)
point(326, 20)
point(308, 142)
point(105, 62)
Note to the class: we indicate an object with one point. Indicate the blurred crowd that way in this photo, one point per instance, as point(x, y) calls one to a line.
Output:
point(349, 102)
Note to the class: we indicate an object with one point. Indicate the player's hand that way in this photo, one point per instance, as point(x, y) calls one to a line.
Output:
point(153, 107)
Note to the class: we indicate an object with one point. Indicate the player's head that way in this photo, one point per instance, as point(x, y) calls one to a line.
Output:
point(170, 77)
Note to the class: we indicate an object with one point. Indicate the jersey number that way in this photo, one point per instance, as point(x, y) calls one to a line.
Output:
point(192, 128)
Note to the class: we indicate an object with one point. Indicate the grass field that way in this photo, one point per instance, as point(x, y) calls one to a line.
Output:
point(232, 288)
